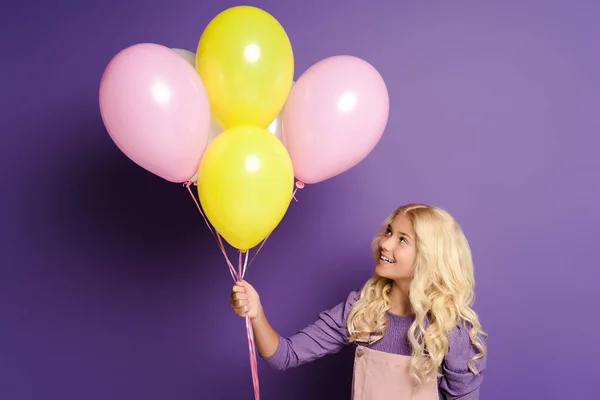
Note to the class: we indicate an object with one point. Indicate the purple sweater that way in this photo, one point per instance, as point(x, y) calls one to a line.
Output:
point(328, 335)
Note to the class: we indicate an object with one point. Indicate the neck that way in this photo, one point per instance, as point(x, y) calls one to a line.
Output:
point(399, 298)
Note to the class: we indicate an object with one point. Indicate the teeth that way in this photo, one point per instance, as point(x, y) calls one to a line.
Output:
point(387, 260)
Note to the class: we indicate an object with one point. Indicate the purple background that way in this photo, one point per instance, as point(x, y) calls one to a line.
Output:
point(112, 288)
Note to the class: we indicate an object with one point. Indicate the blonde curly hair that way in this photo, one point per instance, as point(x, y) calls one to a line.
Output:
point(441, 292)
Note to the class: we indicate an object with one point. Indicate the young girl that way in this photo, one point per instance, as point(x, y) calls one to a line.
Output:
point(415, 333)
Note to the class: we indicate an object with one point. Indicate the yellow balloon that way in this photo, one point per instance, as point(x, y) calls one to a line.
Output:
point(246, 63)
point(245, 184)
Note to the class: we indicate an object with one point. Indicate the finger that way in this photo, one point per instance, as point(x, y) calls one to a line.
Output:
point(238, 289)
point(245, 284)
point(240, 303)
point(241, 311)
point(239, 296)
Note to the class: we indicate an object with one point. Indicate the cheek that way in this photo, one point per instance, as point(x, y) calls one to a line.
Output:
point(405, 256)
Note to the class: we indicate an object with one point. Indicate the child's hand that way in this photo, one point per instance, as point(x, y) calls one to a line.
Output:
point(245, 299)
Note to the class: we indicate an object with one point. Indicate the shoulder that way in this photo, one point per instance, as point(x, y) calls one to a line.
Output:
point(351, 299)
point(353, 296)
point(460, 342)
point(338, 315)
point(341, 310)
point(458, 378)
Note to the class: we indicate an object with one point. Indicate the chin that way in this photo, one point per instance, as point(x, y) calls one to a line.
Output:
point(383, 271)
point(387, 271)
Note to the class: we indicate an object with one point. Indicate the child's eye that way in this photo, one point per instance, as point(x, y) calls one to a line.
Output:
point(388, 232)
point(403, 239)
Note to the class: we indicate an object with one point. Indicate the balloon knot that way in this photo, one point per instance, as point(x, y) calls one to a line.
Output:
point(300, 184)
point(187, 184)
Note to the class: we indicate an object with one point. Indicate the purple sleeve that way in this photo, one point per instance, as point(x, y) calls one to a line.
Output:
point(458, 382)
point(327, 335)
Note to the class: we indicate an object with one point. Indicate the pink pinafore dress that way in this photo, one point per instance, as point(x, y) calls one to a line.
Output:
point(384, 376)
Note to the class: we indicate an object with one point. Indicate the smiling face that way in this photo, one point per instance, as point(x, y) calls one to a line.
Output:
point(397, 250)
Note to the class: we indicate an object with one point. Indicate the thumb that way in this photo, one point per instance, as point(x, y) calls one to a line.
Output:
point(246, 285)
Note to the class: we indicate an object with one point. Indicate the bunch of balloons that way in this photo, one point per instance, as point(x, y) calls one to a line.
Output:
point(230, 118)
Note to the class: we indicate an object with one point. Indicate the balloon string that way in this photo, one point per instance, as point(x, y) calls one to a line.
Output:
point(214, 232)
point(187, 185)
point(245, 264)
point(249, 331)
point(237, 276)
point(299, 185)
point(253, 362)
point(232, 270)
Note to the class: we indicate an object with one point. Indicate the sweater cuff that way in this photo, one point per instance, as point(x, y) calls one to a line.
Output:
point(278, 360)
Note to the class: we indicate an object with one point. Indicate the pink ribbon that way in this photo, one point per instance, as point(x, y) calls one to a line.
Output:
point(238, 276)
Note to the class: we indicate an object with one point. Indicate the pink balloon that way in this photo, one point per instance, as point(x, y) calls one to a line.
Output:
point(156, 110)
point(334, 116)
